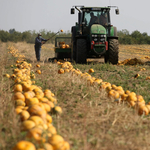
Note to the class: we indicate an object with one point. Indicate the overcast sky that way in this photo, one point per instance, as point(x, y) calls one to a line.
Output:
point(53, 15)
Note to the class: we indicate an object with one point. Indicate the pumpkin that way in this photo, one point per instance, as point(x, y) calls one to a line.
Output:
point(36, 110)
point(18, 88)
point(47, 107)
point(55, 139)
point(62, 145)
point(148, 107)
point(19, 102)
point(113, 94)
point(48, 146)
point(35, 133)
point(43, 99)
point(67, 46)
point(37, 120)
point(32, 101)
point(58, 109)
point(38, 65)
point(24, 115)
point(38, 71)
point(91, 70)
point(48, 118)
point(66, 70)
point(18, 110)
point(131, 103)
point(132, 97)
point(63, 46)
point(24, 145)
point(18, 95)
point(27, 124)
point(124, 97)
point(143, 110)
point(7, 75)
point(51, 130)
point(51, 104)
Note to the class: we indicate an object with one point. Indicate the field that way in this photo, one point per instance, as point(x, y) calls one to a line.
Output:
point(90, 120)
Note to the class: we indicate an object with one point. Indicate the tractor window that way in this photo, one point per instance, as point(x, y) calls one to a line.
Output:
point(96, 17)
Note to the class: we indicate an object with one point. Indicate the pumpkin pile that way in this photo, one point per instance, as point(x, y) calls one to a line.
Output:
point(63, 45)
point(114, 92)
point(133, 61)
point(35, 106)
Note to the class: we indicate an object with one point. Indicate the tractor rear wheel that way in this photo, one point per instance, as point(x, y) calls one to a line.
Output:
point(112, 55)
point(73, 41)
point(81, 53)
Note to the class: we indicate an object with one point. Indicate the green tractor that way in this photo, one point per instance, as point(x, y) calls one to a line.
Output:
point(93, 36)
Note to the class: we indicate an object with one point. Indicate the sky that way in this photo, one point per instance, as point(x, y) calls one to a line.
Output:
point(53, 15)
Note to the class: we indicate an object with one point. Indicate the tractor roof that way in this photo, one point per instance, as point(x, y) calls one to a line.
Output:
point(94, 8)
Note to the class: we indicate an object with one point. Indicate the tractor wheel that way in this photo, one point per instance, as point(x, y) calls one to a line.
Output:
point(112, 55)
point(81, 53)
point(73, 41)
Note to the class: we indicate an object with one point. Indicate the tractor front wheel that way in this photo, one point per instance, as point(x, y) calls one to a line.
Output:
point(112, 55)
point(81, 53)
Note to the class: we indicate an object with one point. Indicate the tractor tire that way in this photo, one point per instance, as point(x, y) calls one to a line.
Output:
point(112, 55)
point(73, 41)
point(81, 53)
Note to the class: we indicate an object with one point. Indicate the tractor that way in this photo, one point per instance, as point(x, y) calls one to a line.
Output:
point(93, 36)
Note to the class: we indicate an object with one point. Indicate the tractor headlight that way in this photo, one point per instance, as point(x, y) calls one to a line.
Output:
point(94, 35)
point(95, 39)
point(102, 35)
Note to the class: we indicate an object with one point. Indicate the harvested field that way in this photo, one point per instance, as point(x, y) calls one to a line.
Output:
point(91, 120)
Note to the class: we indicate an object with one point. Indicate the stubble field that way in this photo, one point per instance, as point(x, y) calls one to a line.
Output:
point(90, 120)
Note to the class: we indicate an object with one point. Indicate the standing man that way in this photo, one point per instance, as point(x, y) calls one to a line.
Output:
point(38, 43)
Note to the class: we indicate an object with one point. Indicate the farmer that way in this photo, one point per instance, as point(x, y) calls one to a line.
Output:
point(93, 19)
point(38, 43)
point(103, 19)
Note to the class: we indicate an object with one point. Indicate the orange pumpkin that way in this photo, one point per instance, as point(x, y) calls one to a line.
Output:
point(18, 95)
point(61, 71)
point(18, 88)
point(24, 145)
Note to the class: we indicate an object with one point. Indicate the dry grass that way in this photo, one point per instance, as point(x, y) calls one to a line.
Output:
point(9, 123)
point(90, 121)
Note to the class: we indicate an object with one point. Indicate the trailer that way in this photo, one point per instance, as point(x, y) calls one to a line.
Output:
point(62, 48)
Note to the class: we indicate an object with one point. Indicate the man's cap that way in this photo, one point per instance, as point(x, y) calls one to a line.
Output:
point(39, 34)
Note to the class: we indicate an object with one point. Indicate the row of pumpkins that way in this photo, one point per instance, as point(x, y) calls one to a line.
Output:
point(34, 106)
point(114, 92)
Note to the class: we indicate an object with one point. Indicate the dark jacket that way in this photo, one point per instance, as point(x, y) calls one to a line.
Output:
point(38, 42)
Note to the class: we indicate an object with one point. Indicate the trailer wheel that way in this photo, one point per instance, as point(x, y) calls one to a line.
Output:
point(112, 55)
point(81, 54)
point(60, 56)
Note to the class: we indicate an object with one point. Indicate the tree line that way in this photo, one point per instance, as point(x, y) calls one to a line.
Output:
point(29, 36)
point(136, 37)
